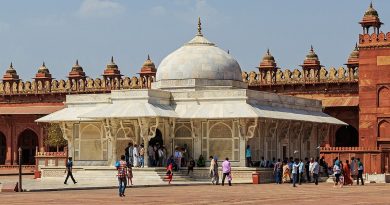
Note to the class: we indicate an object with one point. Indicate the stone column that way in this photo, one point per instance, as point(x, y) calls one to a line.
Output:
point(147, 131)
point(246, 128)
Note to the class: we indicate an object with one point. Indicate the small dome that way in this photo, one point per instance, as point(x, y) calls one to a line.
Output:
point(355, 52)
point(43, 69)
point(112, 65)
point(268, 56)
point(199, 59)
point(148, 63)
point(312, 55)
point(77, 67)
point(371, 11)
point(11, 70)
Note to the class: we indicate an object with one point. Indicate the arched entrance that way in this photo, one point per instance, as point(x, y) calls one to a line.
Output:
point(28, 141)
point(347, 136)
point(158, 139)
point(3, 148)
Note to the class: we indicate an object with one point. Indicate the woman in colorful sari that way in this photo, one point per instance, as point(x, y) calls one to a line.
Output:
point(347, 173)
point(286, 173)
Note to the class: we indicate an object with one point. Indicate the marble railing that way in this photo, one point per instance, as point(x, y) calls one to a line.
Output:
point(286, 76)
point(69, 86)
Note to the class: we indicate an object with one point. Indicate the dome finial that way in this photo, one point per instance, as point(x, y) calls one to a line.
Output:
point(228, 51)
point(371, 5)
point(148, 57)
point(11, 66)
point(112, 60)
point(43, 64)
point(77, 62)
point(356, 47)
point(199, 28)
point(311, 48)
point(268, 51)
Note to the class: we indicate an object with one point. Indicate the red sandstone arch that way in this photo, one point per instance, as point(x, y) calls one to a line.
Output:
point(347, 136)
point(383, 97)
point(384, 129)
point(28, 141)
point(3, 148)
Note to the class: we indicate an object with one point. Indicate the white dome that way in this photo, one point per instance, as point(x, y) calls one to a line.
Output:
point(199, 59)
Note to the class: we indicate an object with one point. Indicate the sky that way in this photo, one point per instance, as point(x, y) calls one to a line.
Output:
point(59, 32)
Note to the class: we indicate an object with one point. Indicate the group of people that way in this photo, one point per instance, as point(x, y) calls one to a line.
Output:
point(226, 171)
point(157, 155)
point(346, 172)
point(134, 155)
point(296, 171)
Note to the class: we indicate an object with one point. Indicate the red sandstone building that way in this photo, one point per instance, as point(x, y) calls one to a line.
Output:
point(358, 95)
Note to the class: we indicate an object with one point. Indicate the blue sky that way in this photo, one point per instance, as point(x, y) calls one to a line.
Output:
point(59, 32)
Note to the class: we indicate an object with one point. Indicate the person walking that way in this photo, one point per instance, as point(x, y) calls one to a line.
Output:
point(121, 166)
point(178, 156)
point(69, 169)
point(360, 171)
point(248, 155)
point(191, 165)
point(307, 169)
point(314, 170)
point(226, 171)
point(295, 169)
point(354, 168)
point(301, 171)
point(141, 156)
point(170, 173)
point(337, 172)
point(347, 173)
point(278, 172)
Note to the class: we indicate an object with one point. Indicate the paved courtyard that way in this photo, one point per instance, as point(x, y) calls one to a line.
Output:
point(208, 194)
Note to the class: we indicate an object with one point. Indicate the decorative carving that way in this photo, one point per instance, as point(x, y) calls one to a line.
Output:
point(296, 74)
point(247, 128)
point(252, 77)
point(287, 75)
point(279, 75)
point(332, 74)
point(341, 73)
point(323, 73)
point(195, 129)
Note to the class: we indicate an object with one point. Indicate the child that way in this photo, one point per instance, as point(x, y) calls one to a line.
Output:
point(129, 175)
point(191, 166)
point(169, 173)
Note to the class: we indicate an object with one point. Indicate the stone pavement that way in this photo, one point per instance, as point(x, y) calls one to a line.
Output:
point(57, 183)
point(323, 194)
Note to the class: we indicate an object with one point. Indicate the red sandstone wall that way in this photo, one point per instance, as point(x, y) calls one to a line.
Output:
point(374, 76)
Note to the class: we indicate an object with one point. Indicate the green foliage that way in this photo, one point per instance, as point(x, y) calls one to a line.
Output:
point(54, 136)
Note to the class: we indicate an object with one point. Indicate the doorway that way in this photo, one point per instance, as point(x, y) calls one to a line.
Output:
point(347, 136)
point(3, 148)
point(28, 141)
point(157, 140)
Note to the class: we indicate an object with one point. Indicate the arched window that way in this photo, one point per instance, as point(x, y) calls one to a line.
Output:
point(221, 141)
point(384, 129)
point(28, 141)
point(92, 145)
point(384, 97)
point(184, 140)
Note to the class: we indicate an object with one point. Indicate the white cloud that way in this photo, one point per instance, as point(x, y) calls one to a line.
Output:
point(100, 8)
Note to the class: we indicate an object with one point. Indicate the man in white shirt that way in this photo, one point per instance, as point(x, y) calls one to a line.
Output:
point(314, 170)
point(178, 156)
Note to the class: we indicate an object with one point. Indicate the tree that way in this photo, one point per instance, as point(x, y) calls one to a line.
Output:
point(55, 137)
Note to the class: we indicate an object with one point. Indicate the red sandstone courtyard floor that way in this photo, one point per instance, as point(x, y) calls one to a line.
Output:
point(207, 194)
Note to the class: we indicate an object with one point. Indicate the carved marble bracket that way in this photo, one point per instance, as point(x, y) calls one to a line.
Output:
point(195, 129)
point(148, 127)
point(66, 131)
point(247, 128)
point(172, 125)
